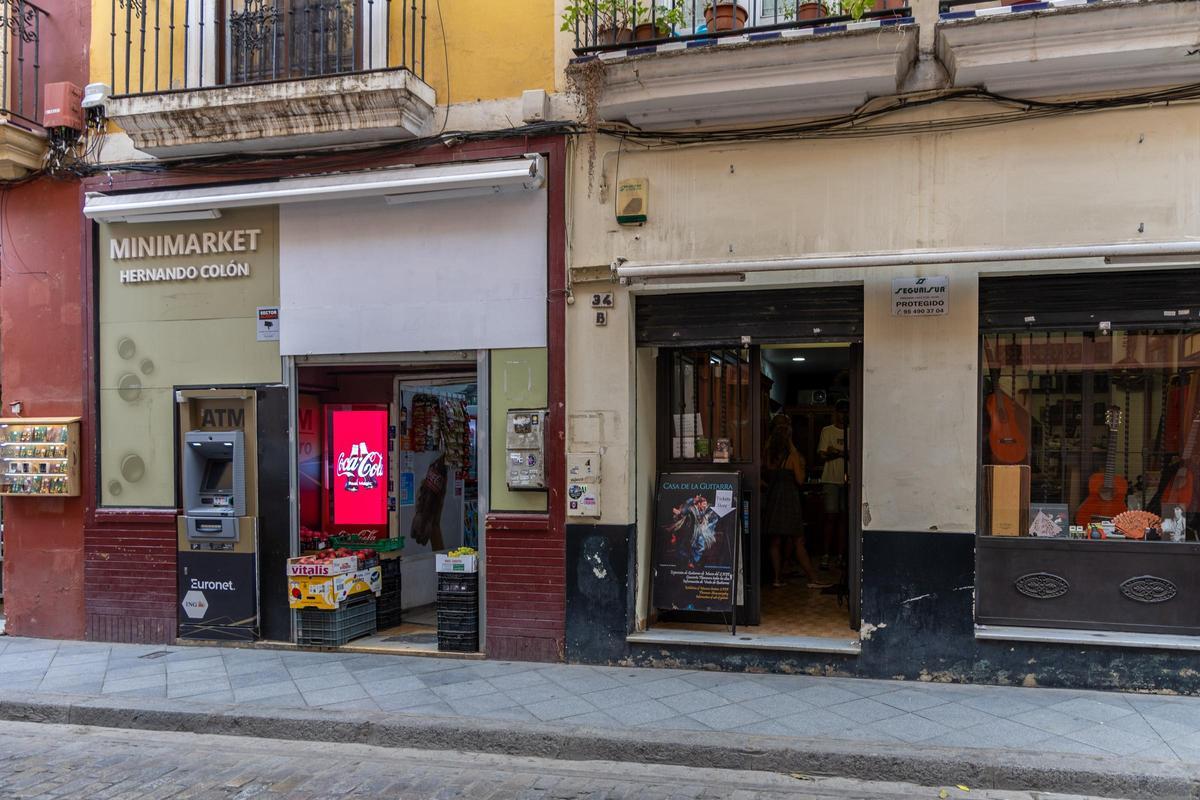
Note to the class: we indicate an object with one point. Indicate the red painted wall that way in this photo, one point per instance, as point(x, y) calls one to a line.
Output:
point(42, 339)
point(41, 365)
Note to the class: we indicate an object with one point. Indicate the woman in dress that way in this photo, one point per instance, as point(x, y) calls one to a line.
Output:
point(783, 517)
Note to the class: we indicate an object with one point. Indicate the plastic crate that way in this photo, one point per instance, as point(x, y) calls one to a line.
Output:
point(458, 602)
point(385, 621)
point(467, 583)
point(355, 619)
point(390, 567)
point(380, 545)
point(458, 622)
point(458, 642)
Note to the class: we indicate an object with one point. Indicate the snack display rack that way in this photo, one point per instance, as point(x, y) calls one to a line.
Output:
point(40, 456)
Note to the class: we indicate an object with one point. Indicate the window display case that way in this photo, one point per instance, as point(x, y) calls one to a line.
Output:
point(40, 456)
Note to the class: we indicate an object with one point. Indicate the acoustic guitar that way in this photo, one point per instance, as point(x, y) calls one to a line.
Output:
point(1106, 490)
point(1181, 491)
point(1007, 440)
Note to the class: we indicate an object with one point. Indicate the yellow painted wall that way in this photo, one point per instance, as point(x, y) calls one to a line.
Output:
point(488, 50)
point(497, 49)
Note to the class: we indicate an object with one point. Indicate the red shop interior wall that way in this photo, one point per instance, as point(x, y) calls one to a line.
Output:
point(41, 366)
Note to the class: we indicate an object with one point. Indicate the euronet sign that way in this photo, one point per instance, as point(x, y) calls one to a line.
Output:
point(208, 243)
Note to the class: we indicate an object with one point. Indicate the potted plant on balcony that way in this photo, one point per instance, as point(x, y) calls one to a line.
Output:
point(724, 15)
point(607, 20)
point(656, 22)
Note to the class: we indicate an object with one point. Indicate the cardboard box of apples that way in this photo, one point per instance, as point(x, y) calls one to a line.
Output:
point(326, 579)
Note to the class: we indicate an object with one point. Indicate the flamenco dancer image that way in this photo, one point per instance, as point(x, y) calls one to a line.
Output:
point(704, 527)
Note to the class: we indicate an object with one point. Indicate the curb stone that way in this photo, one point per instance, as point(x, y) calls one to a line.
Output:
point(1099, 776)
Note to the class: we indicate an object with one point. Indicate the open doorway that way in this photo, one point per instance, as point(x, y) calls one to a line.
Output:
point(783, 418)
point(805, 483)
point(425, 421)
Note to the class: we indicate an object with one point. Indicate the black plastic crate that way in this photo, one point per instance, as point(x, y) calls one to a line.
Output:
point(467, 583)
point(459, 642)
point(387, 619)
point(355, 619)
point(457, 622)
point(457, 603)
point(389, 568)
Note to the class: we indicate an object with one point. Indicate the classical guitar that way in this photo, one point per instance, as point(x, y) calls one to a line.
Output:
point(1181, 491)
point(1106, 490)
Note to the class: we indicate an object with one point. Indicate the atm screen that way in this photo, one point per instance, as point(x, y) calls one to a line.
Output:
point(218, 478)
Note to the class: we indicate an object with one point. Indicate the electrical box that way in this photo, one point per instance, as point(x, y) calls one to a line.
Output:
point(64, 106)
point(583, 485)
point(525, 449)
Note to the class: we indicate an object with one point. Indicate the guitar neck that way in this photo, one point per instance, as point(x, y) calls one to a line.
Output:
point(1110, 463)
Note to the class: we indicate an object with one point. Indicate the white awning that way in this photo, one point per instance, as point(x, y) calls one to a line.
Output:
point(394, 184)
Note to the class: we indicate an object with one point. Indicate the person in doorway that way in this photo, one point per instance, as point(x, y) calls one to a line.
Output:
point(832, 449)
point(783, 516)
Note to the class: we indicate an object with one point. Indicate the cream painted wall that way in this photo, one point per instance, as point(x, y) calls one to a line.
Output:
point(1085, 179)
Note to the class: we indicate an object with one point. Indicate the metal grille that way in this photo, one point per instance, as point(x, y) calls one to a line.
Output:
point(20, 59)
point(710, 405)
point(163, 45)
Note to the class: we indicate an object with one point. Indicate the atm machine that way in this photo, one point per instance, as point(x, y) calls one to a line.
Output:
point(218, 563)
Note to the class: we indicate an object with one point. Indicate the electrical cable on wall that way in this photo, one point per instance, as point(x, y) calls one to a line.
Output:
point(863, 122)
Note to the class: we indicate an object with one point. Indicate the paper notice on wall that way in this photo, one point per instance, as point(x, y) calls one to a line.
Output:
point(267, 329)
point(682, 447)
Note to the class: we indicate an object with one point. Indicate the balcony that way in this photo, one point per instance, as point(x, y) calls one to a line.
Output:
point(22, 140)
point(684, 65)
point(1069, 46)
point(207, 76)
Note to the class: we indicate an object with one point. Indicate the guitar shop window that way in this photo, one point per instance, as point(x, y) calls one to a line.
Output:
point(1091, 435)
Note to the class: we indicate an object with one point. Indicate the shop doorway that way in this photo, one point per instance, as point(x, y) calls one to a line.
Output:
point(425, 455)
point(785, 417)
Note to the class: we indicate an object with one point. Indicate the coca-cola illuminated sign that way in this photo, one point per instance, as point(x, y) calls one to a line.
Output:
point(359, 453)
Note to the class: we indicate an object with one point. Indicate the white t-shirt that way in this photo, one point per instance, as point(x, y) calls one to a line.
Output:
point(835, 468)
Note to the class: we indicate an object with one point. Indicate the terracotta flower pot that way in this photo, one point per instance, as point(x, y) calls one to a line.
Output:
point(647, 31)
point(619, 35)
point(811, 11)
point(725, 16)
point(888, 5)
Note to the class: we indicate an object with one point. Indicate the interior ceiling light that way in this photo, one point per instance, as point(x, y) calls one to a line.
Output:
point(799, 358)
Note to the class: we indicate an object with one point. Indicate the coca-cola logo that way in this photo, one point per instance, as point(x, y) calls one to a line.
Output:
point(362, 468)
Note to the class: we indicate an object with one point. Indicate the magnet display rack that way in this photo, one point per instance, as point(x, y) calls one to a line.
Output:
point(39, 456)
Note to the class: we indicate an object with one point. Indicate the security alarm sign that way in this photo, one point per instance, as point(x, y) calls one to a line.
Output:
point(358, 466)
point(920, 297)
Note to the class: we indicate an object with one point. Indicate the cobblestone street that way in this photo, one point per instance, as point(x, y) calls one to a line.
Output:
point(59, 761)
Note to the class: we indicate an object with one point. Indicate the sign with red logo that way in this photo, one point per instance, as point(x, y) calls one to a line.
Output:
point(358, 456)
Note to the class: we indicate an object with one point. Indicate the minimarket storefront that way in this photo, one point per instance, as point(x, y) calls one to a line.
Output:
point(318, 396)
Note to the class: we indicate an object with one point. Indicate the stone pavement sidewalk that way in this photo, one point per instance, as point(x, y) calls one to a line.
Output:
point(854, 709)
point(878, 714)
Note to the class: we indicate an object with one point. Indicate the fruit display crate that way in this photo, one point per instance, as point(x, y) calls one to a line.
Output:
point(379, 545)
point(355, 619)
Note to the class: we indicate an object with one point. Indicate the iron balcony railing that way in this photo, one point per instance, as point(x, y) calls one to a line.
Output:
point(20, 60)
point(167, 45)
point(621, 24)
